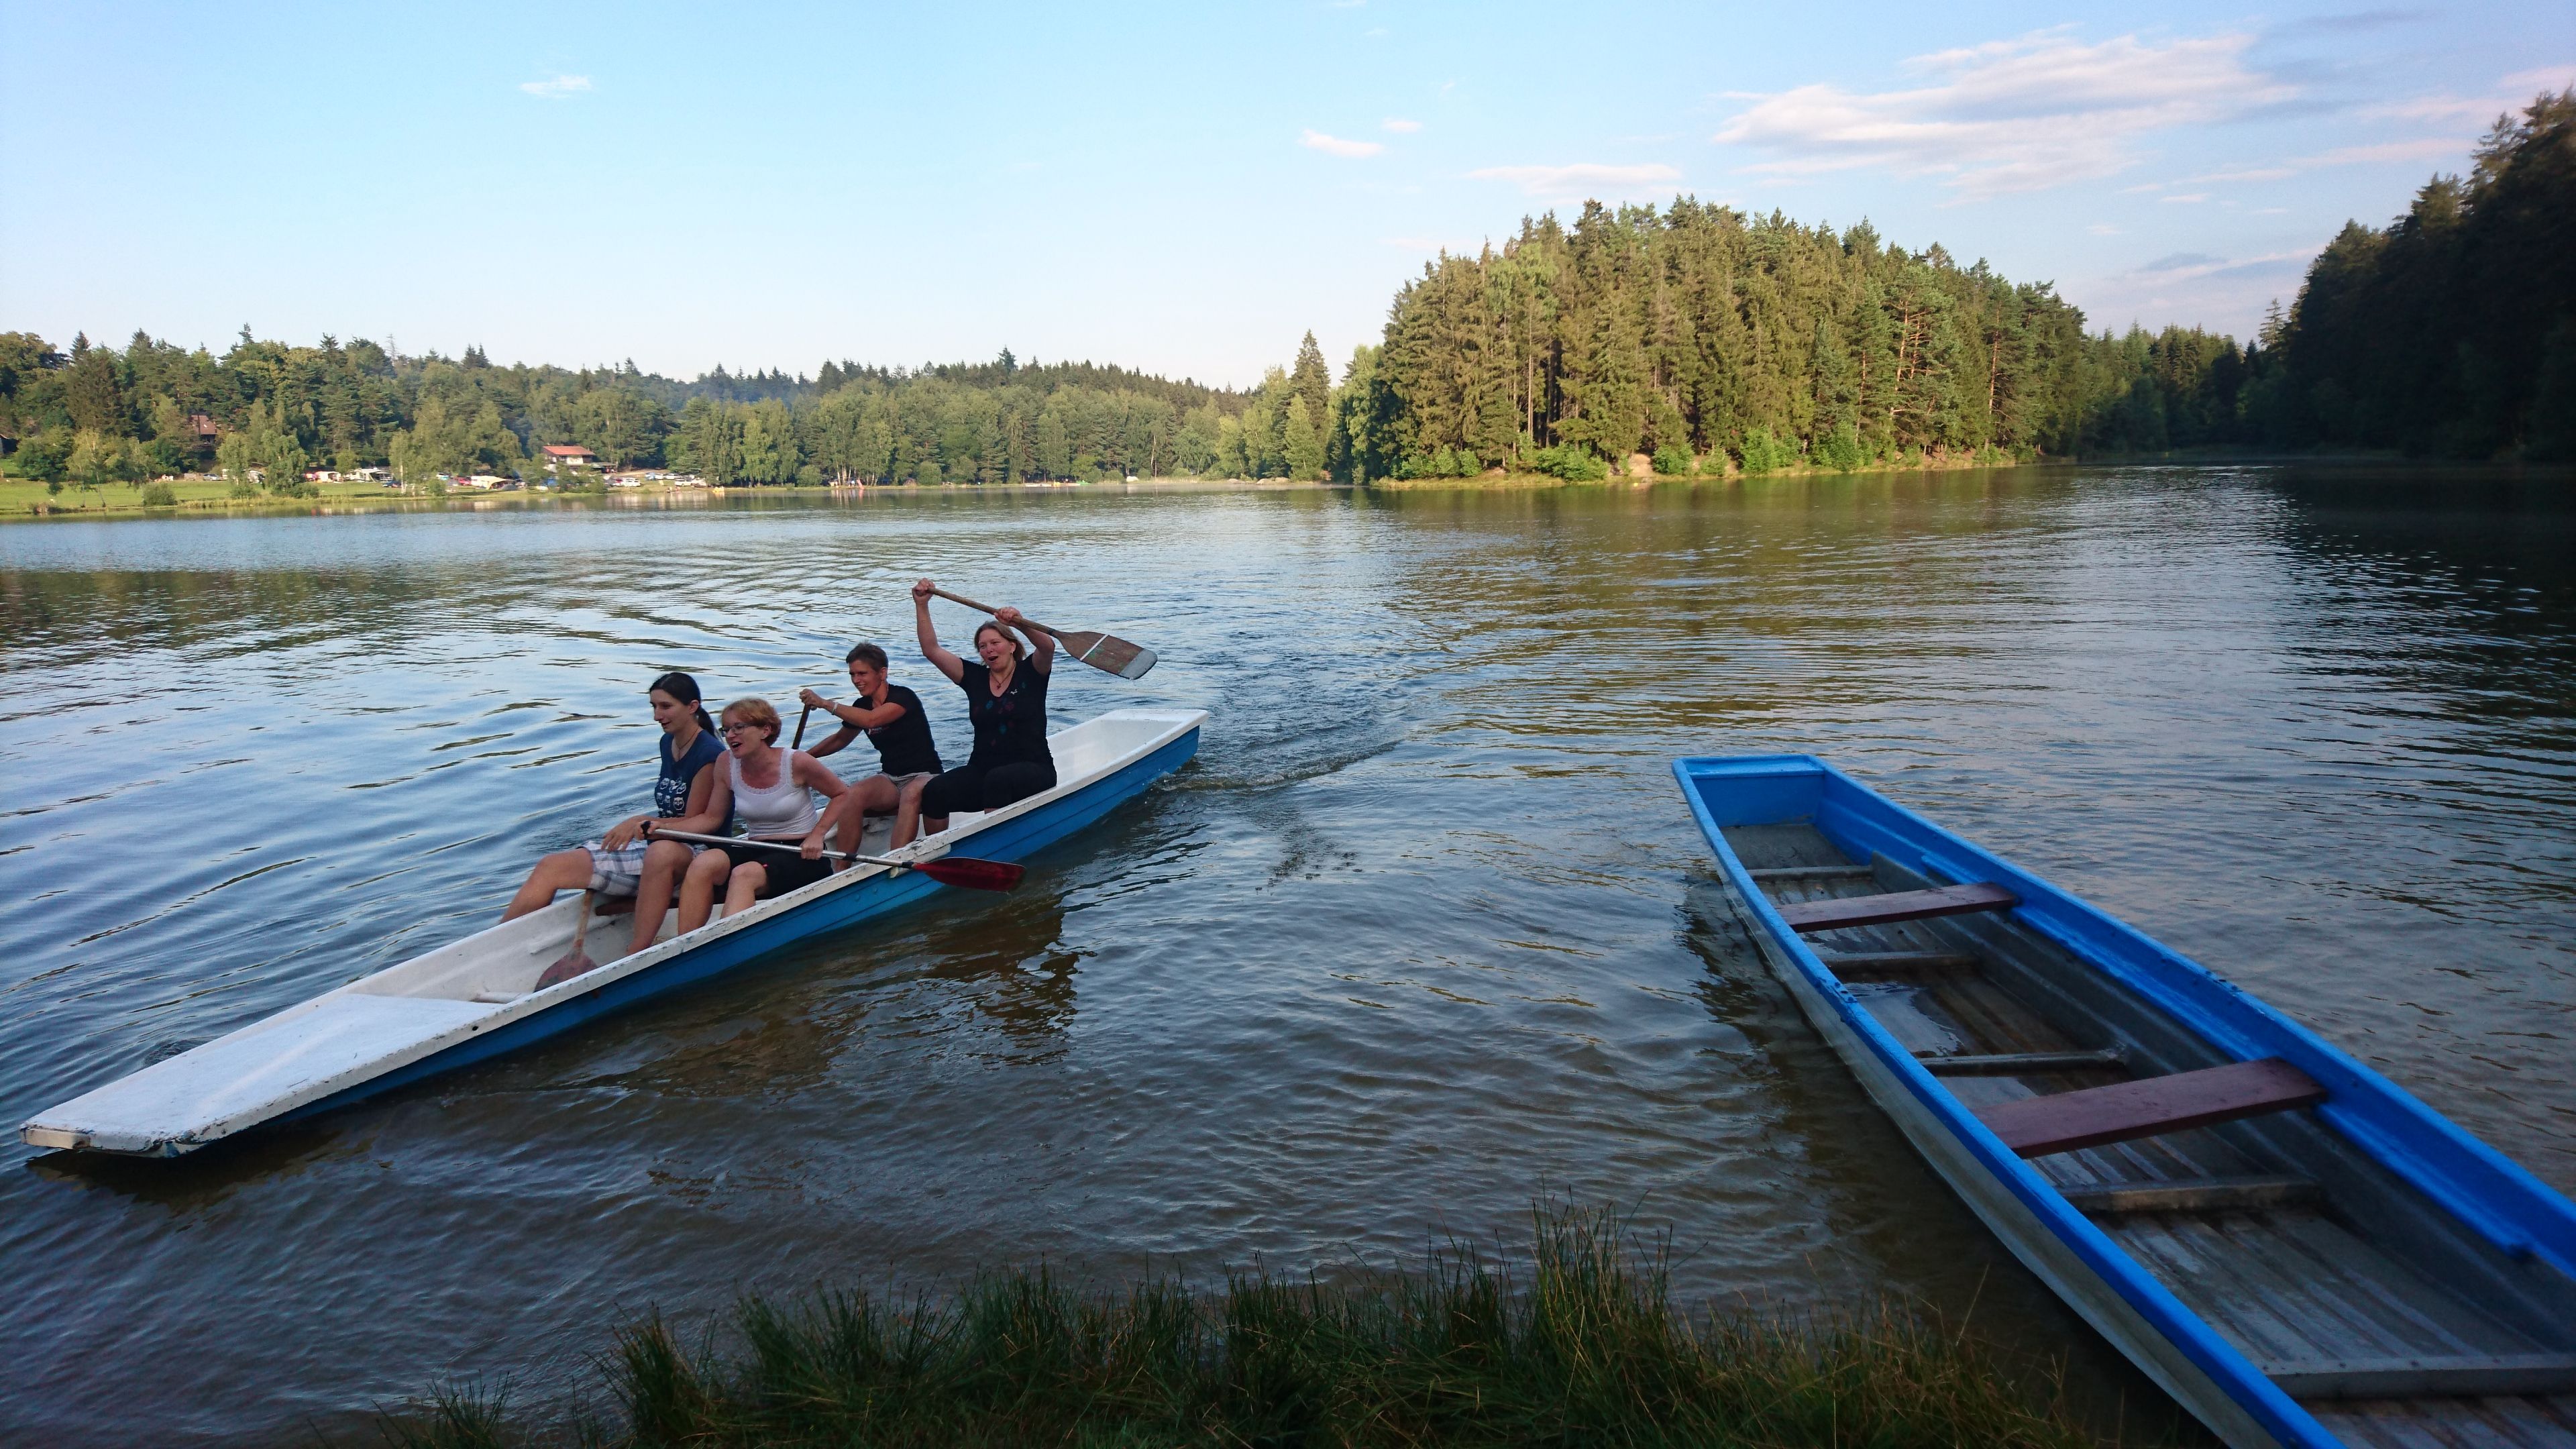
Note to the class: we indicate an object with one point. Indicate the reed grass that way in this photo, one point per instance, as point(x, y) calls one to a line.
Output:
point(1589, 1350)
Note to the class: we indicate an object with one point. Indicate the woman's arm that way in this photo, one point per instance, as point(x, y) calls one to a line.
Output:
point(1041, 643)
point(940, 659)
point(813, 774)
point(628, 830)
point(703, 819)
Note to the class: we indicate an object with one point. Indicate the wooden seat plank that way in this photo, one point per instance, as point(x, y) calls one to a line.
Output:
point(2193, 1195)
point(1879, 910)
point(1899, 962)
point(2425, 1377)
point(1810, 872)
point(2014, 1064)
point(2150, 1106)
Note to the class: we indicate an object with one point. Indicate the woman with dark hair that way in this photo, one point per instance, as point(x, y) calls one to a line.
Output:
point(623, 862)
point(768, 786)
point(1006, 690)
point(893, 720)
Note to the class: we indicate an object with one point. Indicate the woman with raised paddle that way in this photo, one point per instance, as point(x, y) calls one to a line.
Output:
point(893, 720)
point(622, 862)
point(1006, 690)
point(768, 787)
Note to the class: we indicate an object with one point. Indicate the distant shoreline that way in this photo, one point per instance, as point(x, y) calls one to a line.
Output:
point(27, 503)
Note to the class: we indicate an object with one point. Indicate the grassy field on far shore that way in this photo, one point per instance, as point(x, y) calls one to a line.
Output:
point(1589, 1349)
point(20, 498)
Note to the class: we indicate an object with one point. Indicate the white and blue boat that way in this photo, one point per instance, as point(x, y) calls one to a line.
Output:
point(2296, 1250)
point(475, 998)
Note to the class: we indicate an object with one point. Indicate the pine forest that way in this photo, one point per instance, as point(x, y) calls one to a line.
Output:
point(1690, 338)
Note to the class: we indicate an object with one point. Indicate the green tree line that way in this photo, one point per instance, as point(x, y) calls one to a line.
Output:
point(2453, 330)
point(1696, 334)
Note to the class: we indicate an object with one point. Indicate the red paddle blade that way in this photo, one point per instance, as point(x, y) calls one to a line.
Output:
point(973, 874)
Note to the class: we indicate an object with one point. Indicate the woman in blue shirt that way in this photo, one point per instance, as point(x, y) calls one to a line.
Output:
point(622, 862)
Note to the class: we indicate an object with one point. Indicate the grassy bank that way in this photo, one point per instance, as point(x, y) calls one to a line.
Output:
point(1589, 1349)
point(20, 498)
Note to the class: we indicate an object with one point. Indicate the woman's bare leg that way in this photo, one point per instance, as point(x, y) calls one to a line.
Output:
point(664, 860)
point(907, 814)
point(744, 887)
point(698, 888)
point(848, 816)
point(565, 870)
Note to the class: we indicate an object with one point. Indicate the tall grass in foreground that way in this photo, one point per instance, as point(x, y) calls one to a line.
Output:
point(1588, 1351)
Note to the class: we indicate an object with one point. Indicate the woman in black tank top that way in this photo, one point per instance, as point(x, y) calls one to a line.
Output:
point(1006, 690)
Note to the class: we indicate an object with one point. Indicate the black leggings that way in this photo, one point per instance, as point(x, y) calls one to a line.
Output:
point(982, 787)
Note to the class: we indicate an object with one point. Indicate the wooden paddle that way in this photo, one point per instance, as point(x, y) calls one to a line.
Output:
point(956, 870)
point(1105, 652)
point(799, 742)
point(575, 961)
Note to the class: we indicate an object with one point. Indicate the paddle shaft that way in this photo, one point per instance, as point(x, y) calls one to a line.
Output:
point(791, 849)
point(799, 742)
point(987, 608)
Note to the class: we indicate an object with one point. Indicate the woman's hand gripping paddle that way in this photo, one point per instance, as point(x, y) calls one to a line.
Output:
point(1105, 652)
point(956, 870)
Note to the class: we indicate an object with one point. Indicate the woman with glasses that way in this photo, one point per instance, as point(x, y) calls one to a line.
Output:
point(623, 862)
point(772, 790)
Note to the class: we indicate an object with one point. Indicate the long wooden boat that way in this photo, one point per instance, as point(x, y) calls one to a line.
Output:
point(2295, 1249)
point(472, 999)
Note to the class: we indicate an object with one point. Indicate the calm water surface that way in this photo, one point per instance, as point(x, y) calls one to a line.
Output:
point(1425, 934)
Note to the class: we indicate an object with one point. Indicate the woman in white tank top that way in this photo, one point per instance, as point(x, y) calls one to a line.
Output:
point(772, 792)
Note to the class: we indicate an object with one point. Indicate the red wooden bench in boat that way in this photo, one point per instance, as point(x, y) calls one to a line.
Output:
point(1879, 910)
point(2150, 1106)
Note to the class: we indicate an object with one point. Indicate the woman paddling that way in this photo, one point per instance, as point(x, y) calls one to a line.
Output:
point(1006, 690)
point(622, 862)
point(892, 718)
point(768, 787)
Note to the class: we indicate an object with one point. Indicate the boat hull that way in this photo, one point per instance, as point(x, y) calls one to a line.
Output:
point(2390, 1168)
point(867, 900)
point(433, 1014)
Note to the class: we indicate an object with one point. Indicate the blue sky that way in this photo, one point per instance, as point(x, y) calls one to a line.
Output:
point(1182, 188)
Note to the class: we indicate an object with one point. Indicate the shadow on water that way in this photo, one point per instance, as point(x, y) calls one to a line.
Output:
point(197, 1181)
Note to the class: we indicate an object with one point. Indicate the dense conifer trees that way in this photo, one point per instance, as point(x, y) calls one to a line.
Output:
point(1697, 335)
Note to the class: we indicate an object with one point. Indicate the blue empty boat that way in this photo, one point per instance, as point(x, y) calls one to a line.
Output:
point(2295, 1249)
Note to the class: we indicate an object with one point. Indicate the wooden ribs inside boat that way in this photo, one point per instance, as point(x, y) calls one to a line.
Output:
point(2349, 1294)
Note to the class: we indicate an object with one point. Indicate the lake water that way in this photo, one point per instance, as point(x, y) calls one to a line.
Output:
point(1425, 934)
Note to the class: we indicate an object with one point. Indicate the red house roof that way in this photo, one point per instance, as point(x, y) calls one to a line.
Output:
point(562, 450)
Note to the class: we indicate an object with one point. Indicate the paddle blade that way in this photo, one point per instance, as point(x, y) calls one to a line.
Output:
point(573, 963)
point(1109, 653)
point(974, 875)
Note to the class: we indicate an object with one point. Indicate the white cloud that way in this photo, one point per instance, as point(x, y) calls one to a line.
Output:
point(2241, 173)
point(2431, 148)
point(1398, 123)
point(558, 88)
point(2103, 228)
point(2547, 77)
point(2187, 198)
point(1336, 146)
point(2026, 114)
point(1557, 183)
